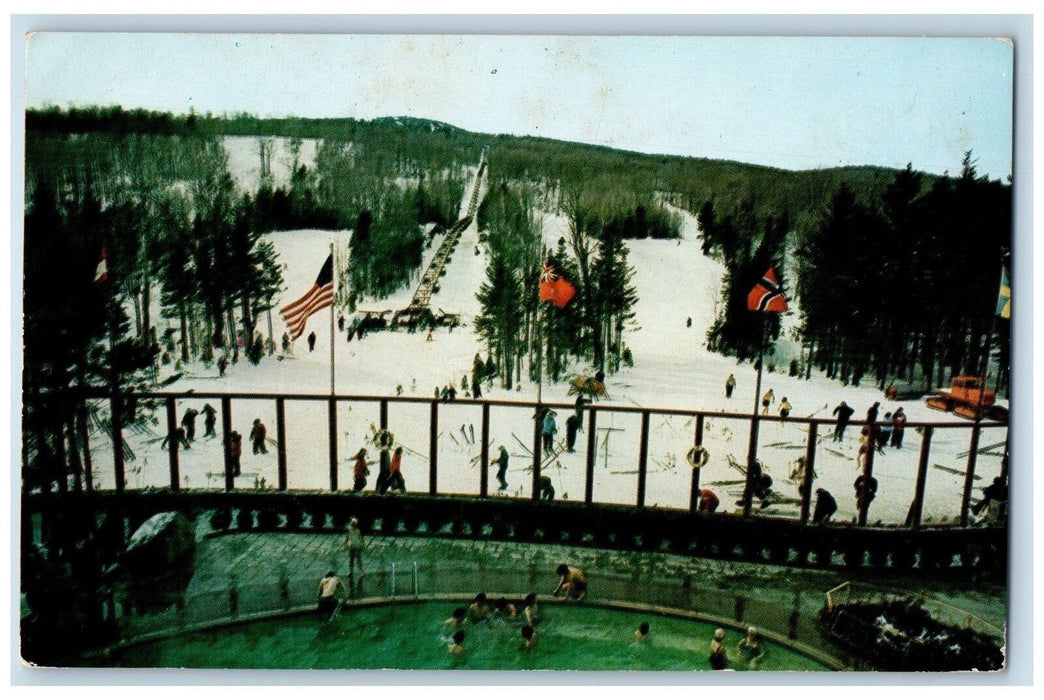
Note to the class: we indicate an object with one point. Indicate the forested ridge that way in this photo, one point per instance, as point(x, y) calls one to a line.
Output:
point(894, 272)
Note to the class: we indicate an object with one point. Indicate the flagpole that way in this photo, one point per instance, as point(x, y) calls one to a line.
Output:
point(333, 267)
point(752, 447)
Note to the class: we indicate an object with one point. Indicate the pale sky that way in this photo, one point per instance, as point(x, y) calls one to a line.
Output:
point(794, 103)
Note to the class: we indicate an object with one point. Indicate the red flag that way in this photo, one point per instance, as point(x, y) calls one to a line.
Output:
point(554, 287)
point(767, 295)
point(319, 296)
point(101, 273)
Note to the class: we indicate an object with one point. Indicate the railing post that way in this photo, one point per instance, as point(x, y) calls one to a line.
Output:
point(88, 467)
point(592, 443)
point(172, 444)
point(116, 423)
point(914, 518)
point(810, 469)
point(868, 469)
point(332, 423)
point(694, 486)
point(226, 437)
point(281, 442)
point(433, 449)
point(643, 457)
point(484, 454)
point(538, 420)
point(969, 474)
point(384, 414)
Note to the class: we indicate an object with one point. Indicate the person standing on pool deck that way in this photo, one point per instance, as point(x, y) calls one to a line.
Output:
point(356, 544)
point(719, 659)
point(328, 588)
point(572, 582)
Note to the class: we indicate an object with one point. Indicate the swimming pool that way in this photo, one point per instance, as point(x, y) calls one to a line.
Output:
point(412, 636)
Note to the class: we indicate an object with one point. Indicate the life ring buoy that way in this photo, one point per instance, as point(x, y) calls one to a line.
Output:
point(697, 456)
point(383, 439)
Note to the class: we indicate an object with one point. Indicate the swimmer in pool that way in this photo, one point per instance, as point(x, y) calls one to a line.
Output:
point(479, 609)
point(642, 633)
point(503, 608)
point(751, 647)
point(457, 647)
point(532, 609)
point(528, 637)
point(458, 619)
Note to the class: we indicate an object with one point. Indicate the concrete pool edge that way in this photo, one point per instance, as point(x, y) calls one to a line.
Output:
point(831, 663)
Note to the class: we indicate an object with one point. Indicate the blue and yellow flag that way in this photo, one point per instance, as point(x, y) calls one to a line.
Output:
point(1004, 298)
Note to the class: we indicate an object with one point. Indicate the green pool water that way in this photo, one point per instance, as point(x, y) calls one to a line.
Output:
point(413, 636)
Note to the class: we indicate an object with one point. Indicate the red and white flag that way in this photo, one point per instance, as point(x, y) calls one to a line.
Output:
point(767, 295)
point(319, 296)
point(554, 287)
point(101, 273)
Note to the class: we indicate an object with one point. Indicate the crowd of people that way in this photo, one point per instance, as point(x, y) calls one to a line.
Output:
point(526, 612)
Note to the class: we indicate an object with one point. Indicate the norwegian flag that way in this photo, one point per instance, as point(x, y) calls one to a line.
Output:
point(101, 273)
point(767, 295)
point(319, 296)
point(554, 287)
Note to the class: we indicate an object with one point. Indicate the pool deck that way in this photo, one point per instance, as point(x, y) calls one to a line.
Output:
point(263, 559)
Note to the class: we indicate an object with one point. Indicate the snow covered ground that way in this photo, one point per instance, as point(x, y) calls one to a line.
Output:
point(673, 369)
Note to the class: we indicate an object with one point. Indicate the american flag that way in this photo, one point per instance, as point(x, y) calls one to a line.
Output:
point(320, 296)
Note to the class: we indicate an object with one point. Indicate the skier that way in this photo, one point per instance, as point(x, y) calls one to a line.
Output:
point(502, 464)
point(871, 413)
point(257, 436)
point(478, 373)
point(222, 366)
point(286, 344)
point(865, 491)
point(767, 400)
point(548, 430)
point(209, 420)
point(547, 489)
point(571, 422)
point(898, 426)
point(843, 412)
point(188, 422)
point(235, 449)
point(360, 470)
point(395, 480)
point(708, 501)
point(340, 323)
point(384, 440)
point(581, 400)
point(311, 341)
point(884, 433)
point(784, 408)
point(825, 506)
point(179, 438)
point(730, 384)
point(994, 501)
